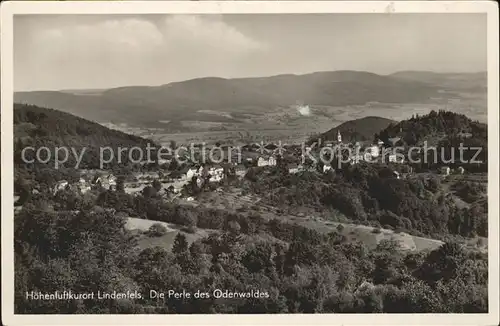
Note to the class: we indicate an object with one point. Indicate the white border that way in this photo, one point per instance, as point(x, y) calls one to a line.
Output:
point(8, 9)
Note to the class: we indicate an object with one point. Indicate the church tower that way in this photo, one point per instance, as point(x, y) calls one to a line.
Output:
point(339, 136)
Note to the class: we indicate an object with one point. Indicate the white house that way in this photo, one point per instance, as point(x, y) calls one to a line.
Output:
point(272, 161)
point(83, 186)
point(60, 185)
point(326, 168)
point(373, 150)
point(241, 171)
point(215, 178)
point(295, 168)
point(218, 170)
point(266, 162)
point(111, 180)
point(464, 134)
point(108, 181)
point(191, 173)
point(163, 161)
point(394, 158)
point(445, 170)
point(357, 158)
point(216, 174)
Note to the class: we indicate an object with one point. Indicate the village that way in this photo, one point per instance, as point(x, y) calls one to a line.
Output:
point(174, 181)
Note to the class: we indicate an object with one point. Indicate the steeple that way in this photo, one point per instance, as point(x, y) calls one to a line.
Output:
point(339, 136)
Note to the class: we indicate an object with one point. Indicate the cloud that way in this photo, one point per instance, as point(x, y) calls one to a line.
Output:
point(208, 32)
point(122, 50)
point(174, 34)
point(124, 34)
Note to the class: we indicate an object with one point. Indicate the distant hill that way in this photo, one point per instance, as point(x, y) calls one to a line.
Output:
point(145, 105)
point(358, 129)
point(473, 82)
point(35, 126)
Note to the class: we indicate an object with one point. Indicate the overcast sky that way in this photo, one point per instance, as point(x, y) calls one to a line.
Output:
point(103, 51)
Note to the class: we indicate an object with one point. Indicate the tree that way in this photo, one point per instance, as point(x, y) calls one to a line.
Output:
point(180, 244)
point(156, 184)
point(120, 184)
point(149, 192)
point(259, 258)
point(442, 263)
point(173, 165)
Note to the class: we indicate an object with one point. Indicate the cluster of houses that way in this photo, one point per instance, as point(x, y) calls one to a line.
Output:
point(213, 174)
point(82, 185)
point(446, 170)
point(205, 173)
point(371, 153)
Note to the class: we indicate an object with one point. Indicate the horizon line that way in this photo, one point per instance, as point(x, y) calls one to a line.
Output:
point(251, 77)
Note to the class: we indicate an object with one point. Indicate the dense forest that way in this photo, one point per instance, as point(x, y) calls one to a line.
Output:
point(79, 241)
point(446, 131)
point(301, 270)
point(368, 193)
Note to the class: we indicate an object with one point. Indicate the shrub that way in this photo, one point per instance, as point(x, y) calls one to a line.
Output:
point(189, 229)
point(157, 230)
point(340, 228)
point(377, 230)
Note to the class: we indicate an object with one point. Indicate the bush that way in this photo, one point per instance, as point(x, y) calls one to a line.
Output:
point(157, 230)
point(340, 228)
point(189, 229)
point(377, 230)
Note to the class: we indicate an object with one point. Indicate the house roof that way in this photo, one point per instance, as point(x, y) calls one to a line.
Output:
point(394, 139)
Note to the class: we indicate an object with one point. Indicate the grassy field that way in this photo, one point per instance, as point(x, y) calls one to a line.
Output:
point(166, 241)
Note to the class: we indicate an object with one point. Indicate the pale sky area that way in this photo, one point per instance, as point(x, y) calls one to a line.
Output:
point(103, 51)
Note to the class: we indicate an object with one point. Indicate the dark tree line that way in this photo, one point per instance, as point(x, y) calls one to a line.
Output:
point(302, 270)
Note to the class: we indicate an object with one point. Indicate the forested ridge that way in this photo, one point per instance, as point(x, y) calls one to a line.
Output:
point(445, 130)
point(41, 127)
point(361, 129)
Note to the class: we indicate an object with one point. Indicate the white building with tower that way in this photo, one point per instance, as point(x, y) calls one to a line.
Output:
point(271, 161)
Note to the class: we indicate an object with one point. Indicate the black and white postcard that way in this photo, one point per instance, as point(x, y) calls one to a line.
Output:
point(249, 162)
